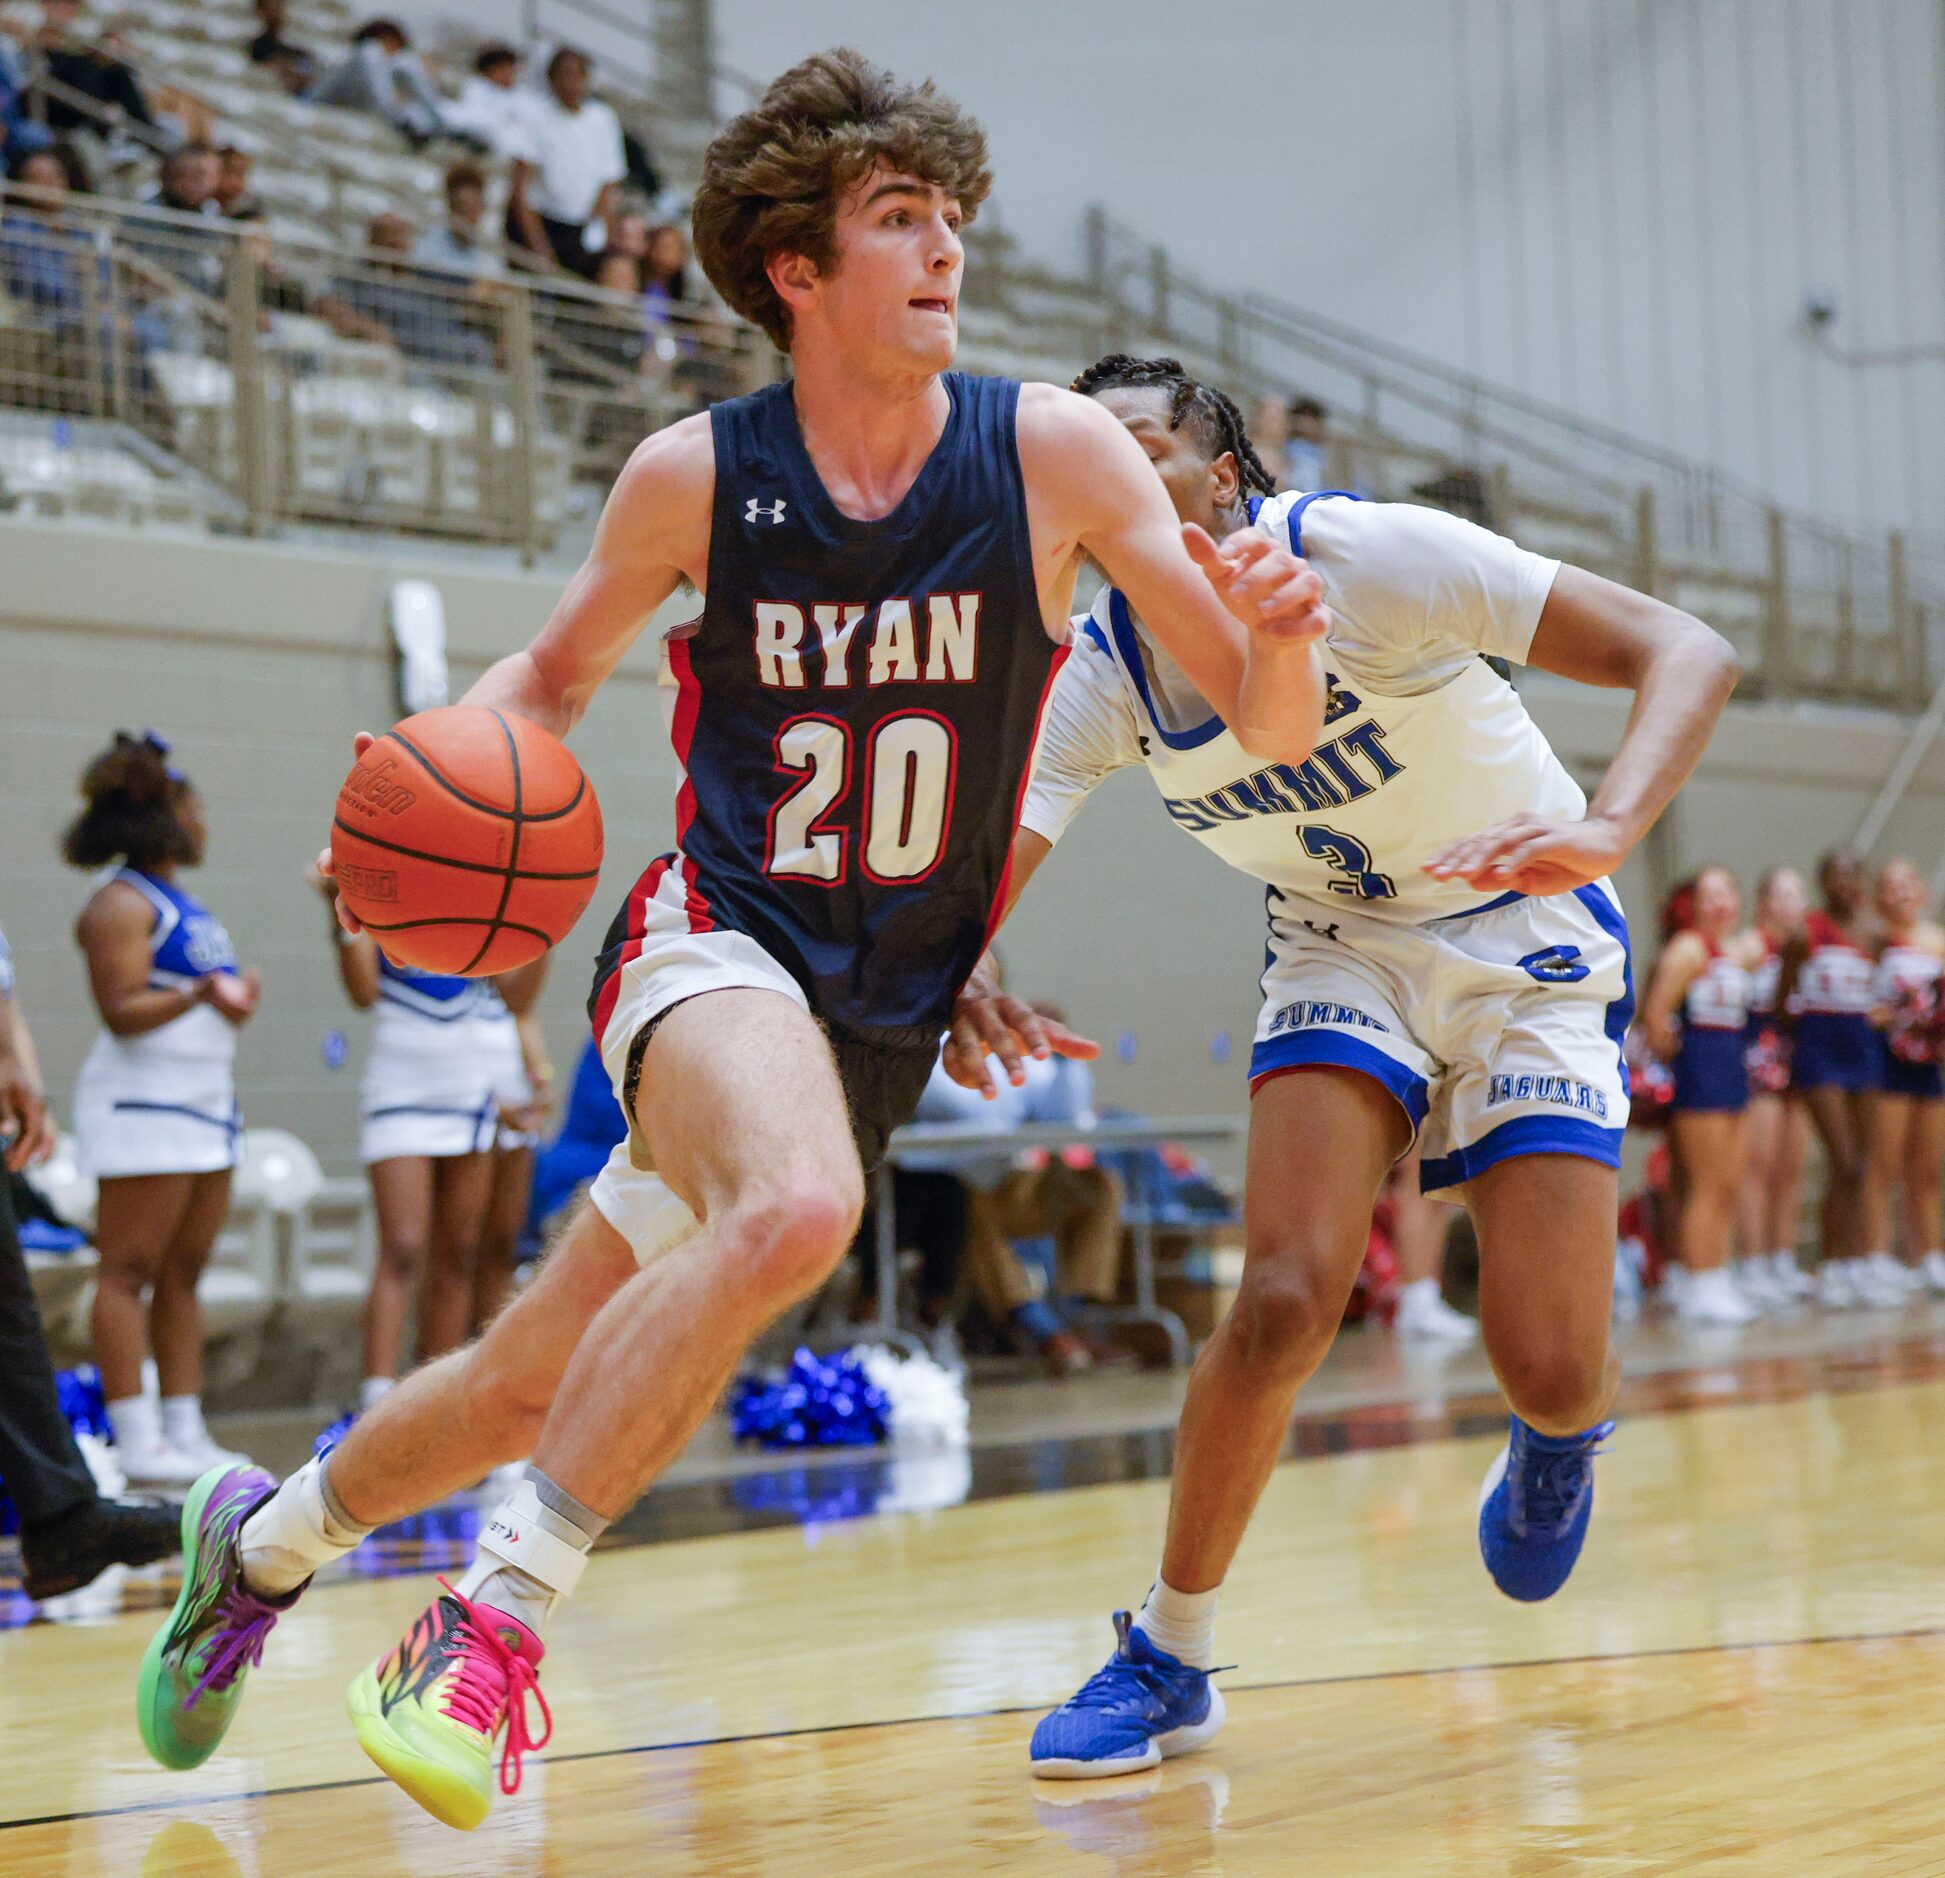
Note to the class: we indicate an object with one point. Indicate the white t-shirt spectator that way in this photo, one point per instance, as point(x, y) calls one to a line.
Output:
point(575, 154)
point(498, 115)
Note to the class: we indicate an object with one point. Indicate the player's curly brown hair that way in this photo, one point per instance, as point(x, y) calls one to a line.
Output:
point(773, 178)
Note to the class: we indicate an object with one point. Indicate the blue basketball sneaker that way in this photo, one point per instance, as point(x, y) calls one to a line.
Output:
point(1534, 1508)
point(1144, 1706)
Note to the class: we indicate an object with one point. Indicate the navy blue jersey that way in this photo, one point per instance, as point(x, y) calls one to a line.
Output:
point(858, 707)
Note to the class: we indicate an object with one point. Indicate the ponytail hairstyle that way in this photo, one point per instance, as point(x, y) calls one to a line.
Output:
point(134, 798)
point(1678, 909)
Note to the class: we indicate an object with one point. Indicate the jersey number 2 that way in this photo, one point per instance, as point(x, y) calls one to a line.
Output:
point(910, 764)
point(1349, 857)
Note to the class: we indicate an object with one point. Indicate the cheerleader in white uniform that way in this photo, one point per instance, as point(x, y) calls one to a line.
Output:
point(1907, 1132)
point(155, 1110)
point(523, 1090)
point(426, 1140)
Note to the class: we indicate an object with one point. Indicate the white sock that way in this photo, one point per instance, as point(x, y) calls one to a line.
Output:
point(1181, 1622)
point(300, 1527)
point(531, 1553)
point(182, 1421)
point(136, 1422)
point(373, 1388)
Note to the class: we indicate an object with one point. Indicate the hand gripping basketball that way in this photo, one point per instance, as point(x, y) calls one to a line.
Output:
point(466, 840)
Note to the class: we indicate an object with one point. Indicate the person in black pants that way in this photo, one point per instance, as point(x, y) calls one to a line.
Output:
point(69, 1533)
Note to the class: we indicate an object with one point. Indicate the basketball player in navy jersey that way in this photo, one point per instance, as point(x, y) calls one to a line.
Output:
point(887, 552)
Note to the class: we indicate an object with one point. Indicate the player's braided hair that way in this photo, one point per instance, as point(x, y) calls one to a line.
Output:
point(1212, 418)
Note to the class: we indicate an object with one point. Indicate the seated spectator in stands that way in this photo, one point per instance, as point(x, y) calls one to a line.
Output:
point(1306, 464)
point(461, 242)
point(45, 259)
point(270, 47)
point(1065, 1196)
point(91, 68)
point(189, 182)
point(235, 200)
point(567, 173)
point(665, 267)
point(198, 256)
point(622, 264)
point(18, 131)
point(384, 76)
point(492, 110)
point(391, 302)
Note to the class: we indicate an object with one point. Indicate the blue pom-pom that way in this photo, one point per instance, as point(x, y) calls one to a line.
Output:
point(814, 1404)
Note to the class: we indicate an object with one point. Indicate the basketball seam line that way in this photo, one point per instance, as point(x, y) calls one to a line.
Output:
point(445, 860)
point(412, 925)
point(473, 802)
point(498, 925)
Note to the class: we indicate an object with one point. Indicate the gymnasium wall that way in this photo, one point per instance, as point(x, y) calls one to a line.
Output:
point(1619, 206)
point(260, 661)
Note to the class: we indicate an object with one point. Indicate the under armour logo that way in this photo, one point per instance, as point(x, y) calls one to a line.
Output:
point(755, 511)
point(1322, 932)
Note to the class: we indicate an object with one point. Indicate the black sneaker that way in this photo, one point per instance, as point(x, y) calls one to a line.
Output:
point(66, 1553)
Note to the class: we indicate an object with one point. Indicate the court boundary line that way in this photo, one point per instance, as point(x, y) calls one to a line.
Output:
point(137, 1807)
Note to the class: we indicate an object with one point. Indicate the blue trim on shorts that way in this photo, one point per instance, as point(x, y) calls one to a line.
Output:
point(1620, 1014)
point(1524, 1135)
point(1331, 1049)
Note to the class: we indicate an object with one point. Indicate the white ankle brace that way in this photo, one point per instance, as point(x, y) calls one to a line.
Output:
point(519, 1535)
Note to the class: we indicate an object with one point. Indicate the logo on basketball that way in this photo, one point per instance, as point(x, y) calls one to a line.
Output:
point(378, 787)
point(369, 883)
point(772, 512)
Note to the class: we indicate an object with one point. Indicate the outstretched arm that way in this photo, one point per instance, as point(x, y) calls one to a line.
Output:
point(1241, 618)
point(1681, 672)
point(653, 533)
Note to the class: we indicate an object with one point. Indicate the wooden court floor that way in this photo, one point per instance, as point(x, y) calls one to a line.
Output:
point(1747, 1674)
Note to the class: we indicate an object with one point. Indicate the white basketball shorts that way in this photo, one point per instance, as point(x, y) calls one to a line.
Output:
point(1499, 1031)
point(669, 955)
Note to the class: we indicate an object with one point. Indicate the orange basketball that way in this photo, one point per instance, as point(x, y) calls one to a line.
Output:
point(467, 841)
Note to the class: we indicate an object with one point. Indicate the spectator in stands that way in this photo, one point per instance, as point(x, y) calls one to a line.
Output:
point(69, 1534)
point(461, 242)
point(46, 260)
point(88, 67)
point(18, 131)
point(235, 200)
point(189, 182)
point(1306, 462)
point(384, 76)
point(391, 302)
point(197, 256)
point(492, 110)
point(1418, 1230)
point(567, 174)
point(1065, 1196)
point(295, 67)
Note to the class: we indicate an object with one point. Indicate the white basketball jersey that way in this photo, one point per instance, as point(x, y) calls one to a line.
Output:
point(1440, 747)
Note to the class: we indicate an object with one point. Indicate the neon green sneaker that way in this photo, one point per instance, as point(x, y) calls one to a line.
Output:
point(429, 1713)
point(193, 1670)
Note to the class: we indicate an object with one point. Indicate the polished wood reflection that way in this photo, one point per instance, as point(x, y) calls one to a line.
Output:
point(1747, 1674)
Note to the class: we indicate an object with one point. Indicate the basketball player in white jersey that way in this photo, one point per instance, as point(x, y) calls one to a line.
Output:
point(1447, 961)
